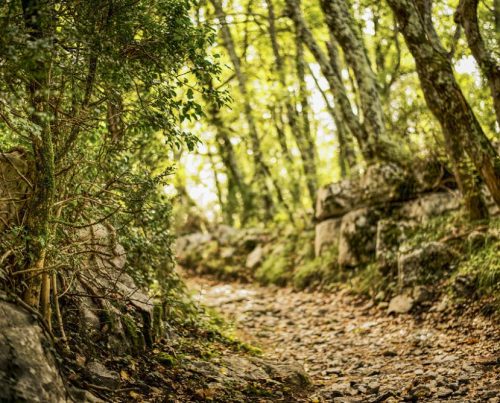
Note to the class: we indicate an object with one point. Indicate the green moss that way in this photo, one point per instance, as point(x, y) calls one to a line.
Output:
point(255, 389)
point(275, 269)
point(482, 267)
point(166, 359)
point(133, 333)
point(157, 327)
point(436, 229)
point(316, 271)
point(369, 280)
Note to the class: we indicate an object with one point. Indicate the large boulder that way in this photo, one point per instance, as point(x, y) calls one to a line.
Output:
point(14, 186)
point(382, 183)
point(336, 199)
point(98, 374)
point(101, 241)
point(358, 237)
point(28, 371)
point(423, 263)
point(327, 235)
point(391, 234)
point(110, 305)
point(430, 205)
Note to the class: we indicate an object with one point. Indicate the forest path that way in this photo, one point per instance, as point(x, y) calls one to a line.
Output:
point(355, 352)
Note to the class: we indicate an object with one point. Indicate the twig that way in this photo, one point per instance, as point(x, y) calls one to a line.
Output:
point(462, 234)
point(17, 170)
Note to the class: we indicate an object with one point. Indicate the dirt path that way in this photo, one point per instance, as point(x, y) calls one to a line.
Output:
point(355, 352)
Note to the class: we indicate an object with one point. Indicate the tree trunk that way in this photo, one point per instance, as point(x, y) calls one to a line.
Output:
point(496, 10)
point(279, 124)
point(41, 201)
point(347, 158)
point(306, 144)
point(302, 134)
point(448, 104)
point(466, 15)
point(228, 155)
point(345, 31)
point(334, 81)
point(261, 169)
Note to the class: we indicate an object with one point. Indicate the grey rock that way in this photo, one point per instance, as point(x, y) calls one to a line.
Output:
point(358, 237)
point(255, 258)
point(444, 392)
point(427, 259)
point(290, 374)
point(401, 304)
point(430, 205)
point(28, 371)
point(373, 387)
point(421, 294)
point(249, 238)
point(384, 182)
point(225, 234)
point(443, 305)
point(336, 199)
point(101, 376)
point(327, 235)
point(391, 234)
point(420, 391)
point(81, 395)
point(188, 245)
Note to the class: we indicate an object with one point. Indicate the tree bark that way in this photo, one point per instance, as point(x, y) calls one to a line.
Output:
point(345, 31)
point(228, 155)
point(306, 144)
point(39, 212)
point(346, 157)
point(261, 169)
point(334, 81)
point(466, 16)
point(302, 135)
point(445, 99)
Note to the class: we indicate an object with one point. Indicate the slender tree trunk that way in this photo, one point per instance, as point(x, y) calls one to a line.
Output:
point(334, 81)
point(307, 146)
point(226, 214)
point(496, 10)
point(347, 158)
point(262, 171)
point(228, 155)
point(279, 124)
point(344, 28)
point(302, 135)
point(445, 99)
point(466, 15)
point(39, 212)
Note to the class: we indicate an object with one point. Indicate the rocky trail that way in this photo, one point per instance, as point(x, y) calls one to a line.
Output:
point(355, 352)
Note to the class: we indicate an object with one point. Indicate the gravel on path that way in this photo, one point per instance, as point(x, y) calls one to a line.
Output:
point(355, 352)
